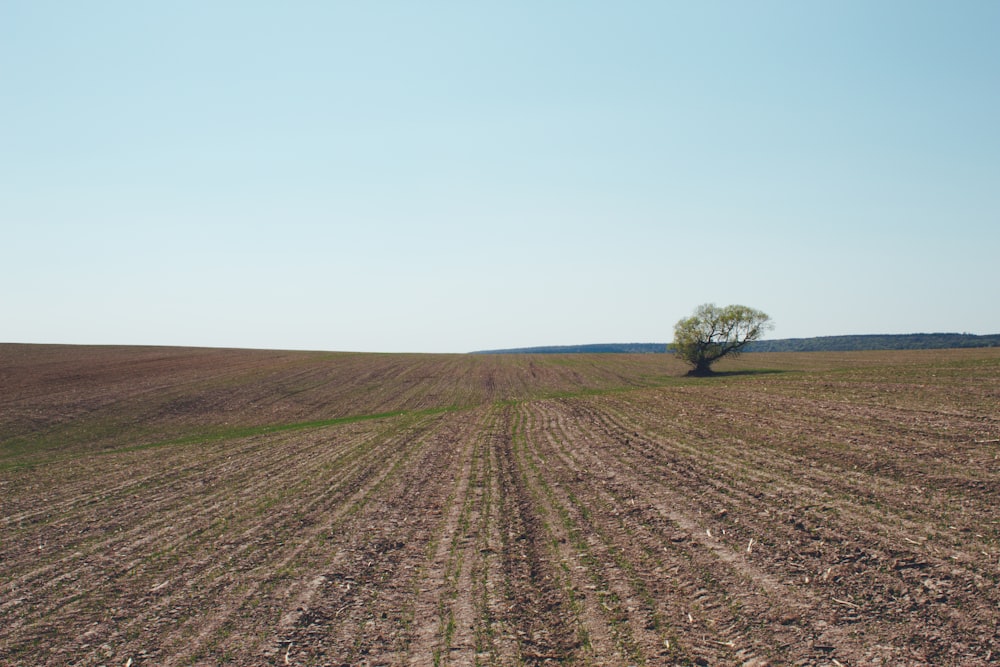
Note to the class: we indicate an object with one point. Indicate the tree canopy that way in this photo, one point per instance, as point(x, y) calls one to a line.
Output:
point(713, 332)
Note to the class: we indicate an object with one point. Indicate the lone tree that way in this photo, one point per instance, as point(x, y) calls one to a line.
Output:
point(713, 332)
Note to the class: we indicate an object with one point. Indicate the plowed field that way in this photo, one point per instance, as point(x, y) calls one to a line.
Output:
point(199, 507)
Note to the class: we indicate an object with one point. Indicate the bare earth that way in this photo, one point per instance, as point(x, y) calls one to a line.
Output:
point(166, 506)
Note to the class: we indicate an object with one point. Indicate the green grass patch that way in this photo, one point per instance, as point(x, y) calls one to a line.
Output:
point(222, 434)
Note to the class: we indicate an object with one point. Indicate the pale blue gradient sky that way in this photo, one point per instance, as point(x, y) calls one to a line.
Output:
point(453, 176)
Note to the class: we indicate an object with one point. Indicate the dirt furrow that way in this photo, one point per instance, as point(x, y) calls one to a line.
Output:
point(866, 583)
point(539, 617)
point(174, 584)
point(616, 623)
point(679, 589)
point(883, 514)
point(486, 568)
point(443, 614)
point(309, 526)
point(363, 608)
point(116, 543)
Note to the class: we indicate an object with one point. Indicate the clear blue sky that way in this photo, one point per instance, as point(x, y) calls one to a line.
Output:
point(452, 176)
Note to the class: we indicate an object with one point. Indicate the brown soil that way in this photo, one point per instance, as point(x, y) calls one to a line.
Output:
point(177, 507)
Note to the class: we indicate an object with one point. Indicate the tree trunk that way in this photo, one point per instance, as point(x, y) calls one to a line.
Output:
point(702, 369)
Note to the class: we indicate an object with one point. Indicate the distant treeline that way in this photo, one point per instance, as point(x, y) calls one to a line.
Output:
point(819, 344)
point(933, 341)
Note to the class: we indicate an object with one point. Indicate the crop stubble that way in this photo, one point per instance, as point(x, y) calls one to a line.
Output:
point(211, 507)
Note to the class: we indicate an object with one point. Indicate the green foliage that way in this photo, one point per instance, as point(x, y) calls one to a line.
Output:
point(713, 332)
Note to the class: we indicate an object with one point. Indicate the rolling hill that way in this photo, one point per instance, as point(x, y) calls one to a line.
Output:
point(918, 341)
